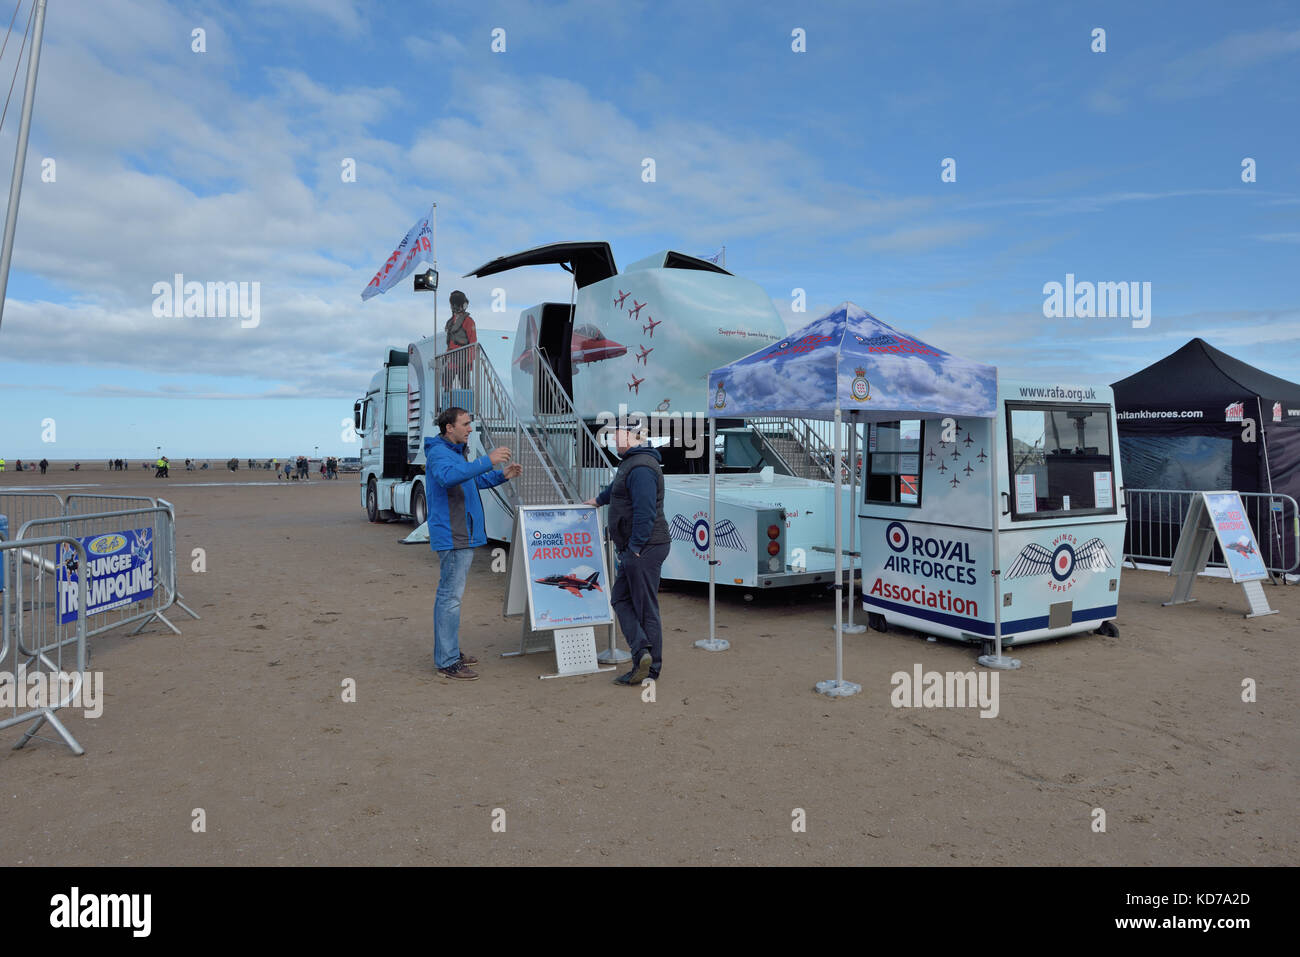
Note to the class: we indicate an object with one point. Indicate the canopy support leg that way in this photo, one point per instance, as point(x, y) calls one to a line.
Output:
point(713, 642)
point(838, 687)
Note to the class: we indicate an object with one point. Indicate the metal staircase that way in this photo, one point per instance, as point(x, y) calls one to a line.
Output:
point(553, 449)
point(795, 444)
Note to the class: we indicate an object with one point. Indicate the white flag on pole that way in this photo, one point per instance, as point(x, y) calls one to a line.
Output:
point(413, 247)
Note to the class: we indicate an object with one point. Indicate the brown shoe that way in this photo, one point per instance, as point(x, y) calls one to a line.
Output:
point(467, 659)
point(458, 672)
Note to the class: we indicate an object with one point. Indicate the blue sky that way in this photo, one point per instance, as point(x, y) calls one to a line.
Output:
point(818, 170)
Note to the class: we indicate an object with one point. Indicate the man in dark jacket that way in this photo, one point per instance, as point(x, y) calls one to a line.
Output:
point(640, 534)
point(456, 526)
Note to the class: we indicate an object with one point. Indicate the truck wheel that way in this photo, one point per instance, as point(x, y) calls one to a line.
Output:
point(876, 622)
point(1109, 629)
point(372, 502)
point(419, 508)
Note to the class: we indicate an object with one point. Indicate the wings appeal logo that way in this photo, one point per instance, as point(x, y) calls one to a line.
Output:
point(1062, 561)
point(696, 531)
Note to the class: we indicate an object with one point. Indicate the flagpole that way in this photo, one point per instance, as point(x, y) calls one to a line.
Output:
point(20, 156)
point(433, 212)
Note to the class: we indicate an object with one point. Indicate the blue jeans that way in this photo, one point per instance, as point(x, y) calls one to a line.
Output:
point(453, 570)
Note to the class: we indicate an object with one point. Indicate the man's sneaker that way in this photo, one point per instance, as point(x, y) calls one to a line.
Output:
point(467, 659)
point(639, 673)
point(642, 670)
point(458, 672)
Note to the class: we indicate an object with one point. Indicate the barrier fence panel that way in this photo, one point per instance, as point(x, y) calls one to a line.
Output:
point(42, 656)
point(22, 507)
point(151, 539)
point(170, 565)
point(1155, 522)
point(84, 503)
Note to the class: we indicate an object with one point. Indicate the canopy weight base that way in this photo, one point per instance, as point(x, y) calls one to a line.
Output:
point(998, 662)
point(851, 629)
point(713, 644)
point(837, 689)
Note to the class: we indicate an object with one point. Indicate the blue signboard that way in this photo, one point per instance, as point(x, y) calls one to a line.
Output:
point(119, 570)
point(568, 586)
point(1235, 535)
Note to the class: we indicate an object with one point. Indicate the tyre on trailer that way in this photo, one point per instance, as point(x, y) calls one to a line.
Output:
point(419, 508)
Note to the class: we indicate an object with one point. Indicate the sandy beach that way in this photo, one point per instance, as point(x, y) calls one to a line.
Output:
point(243, 716)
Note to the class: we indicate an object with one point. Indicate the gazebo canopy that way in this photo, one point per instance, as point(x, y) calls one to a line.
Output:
point(850, 360)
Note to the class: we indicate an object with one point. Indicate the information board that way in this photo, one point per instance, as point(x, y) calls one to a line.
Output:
point(1236, 537)
point(560, 564)
point(1219, 516)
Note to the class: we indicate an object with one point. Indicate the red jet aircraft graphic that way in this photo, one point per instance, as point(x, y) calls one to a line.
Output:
point(651, 328)
point(635, 385)
point(588, 344)
point(640, 356)
point(572, 583)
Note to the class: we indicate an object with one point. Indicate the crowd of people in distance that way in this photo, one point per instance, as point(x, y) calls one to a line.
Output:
point(29, 467)
point(295, 468)
point(298, 468)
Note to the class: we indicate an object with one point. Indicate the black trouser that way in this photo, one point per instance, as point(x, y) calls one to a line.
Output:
point(636, 602)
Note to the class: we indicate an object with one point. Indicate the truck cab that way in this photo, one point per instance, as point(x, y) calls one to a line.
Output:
point(380, 422)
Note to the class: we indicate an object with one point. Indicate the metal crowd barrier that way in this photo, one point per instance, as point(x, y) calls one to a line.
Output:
point(160, 522)
point(1155, 523)
point(33, 640)
point(81, 503)
point(22, 507)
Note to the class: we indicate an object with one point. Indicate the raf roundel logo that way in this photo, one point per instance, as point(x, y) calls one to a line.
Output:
point(536, 534)
point(1063, 562)
point(701, 534)
point(896, 536)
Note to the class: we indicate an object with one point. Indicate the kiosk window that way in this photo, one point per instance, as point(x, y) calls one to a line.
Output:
point(1061, 460)
point(894, 463)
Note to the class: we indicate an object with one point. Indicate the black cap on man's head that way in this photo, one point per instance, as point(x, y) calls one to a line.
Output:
point(458, 298)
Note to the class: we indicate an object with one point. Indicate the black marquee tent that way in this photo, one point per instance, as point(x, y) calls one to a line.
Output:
point(1183, 425)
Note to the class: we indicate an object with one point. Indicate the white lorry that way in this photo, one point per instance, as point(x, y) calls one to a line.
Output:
point(574, 371)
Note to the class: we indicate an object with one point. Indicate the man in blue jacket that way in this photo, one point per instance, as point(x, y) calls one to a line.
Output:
point(456, 526)
point(640, 534)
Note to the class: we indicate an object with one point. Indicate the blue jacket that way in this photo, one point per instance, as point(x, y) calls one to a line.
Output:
point(451, 489)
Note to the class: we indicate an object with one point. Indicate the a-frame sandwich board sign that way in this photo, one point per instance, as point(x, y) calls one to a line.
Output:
point(1220, 516)
point(558, 583)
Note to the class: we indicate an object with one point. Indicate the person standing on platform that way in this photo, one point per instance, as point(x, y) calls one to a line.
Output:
point(639, 530)
point(456, 526)
point(460, 333)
